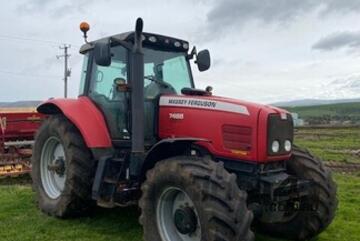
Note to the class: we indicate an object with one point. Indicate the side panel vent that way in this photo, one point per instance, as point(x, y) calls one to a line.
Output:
point(237, 137)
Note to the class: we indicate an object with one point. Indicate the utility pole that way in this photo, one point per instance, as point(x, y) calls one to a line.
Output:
point(67, 71)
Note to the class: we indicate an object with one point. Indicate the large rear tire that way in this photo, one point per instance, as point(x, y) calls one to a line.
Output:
point(62, 169)
point(193, 199)
point(308, 223)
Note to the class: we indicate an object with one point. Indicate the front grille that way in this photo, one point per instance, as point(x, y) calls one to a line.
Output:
point(279, 129)
point(237, 137)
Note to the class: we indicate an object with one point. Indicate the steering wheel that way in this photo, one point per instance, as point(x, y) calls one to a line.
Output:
point(159, 82)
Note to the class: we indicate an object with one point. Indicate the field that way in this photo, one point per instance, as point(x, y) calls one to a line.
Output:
point(20, 219)
point(324, 114)
point(340, 110)
point(331, 144)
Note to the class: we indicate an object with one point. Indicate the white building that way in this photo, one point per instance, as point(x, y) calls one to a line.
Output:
point(297, 121)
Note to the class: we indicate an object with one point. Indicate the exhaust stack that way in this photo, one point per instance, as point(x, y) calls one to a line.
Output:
point(137, 101)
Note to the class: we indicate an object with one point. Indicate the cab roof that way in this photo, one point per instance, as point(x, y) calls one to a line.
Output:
point(151, 40)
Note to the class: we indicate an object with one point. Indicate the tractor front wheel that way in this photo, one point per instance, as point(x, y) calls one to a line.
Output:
point(193, 199)
point(62, 169)
point(306, 224)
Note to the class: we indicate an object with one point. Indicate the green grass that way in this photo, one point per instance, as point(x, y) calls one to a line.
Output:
point(331, 143)
point(20, 220)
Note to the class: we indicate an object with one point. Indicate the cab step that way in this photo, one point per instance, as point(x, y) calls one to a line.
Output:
point(107, 178)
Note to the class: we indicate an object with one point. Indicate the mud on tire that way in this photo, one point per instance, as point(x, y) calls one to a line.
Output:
point(219, 203)
point(75, 198)
point(307, 224)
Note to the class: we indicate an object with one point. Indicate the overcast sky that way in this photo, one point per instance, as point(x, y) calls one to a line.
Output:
point(264, 50)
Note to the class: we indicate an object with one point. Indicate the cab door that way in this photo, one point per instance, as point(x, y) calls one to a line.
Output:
point(105, 92)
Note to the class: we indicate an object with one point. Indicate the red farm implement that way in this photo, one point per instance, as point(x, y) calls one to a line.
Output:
point(17, 129)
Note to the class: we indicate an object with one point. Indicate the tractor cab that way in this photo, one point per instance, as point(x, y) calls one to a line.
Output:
point(106, 77)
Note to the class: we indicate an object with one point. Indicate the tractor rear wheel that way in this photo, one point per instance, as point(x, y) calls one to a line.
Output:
point(193, 199)
point(62, 169)
point(308, 223)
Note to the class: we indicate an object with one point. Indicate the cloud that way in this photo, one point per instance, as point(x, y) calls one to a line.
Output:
point(339, 40)
point(229, 13)
point(261, 60)
point(341, 88)
point(339, 6)
point(56, 8)
point(34, 5)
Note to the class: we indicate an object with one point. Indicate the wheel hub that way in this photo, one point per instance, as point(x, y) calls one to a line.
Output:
point(58, 167)
point(185, 220)
point(177, 217)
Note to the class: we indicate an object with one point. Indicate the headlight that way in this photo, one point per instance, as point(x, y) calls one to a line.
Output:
point(279, 135)
point(287, 145)
point(275, 146)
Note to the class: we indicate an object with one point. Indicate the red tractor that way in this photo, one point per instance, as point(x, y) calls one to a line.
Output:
point(201, 167)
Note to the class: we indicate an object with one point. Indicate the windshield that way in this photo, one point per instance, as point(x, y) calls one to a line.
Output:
point(169, 67)
point(159, 66)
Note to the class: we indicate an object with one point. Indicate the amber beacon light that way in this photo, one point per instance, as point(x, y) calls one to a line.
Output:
point(84, 27)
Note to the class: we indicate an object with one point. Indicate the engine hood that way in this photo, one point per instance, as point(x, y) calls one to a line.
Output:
point(218, 103)
point(235, 129)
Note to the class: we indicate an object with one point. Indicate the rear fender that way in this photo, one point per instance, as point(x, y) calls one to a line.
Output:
point(84, 115)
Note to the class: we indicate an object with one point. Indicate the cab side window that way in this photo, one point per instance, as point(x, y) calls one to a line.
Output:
point(104, 77)
point(83, 74)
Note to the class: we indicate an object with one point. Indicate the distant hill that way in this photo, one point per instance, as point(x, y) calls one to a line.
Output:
point(32, 103)
point(327, 114)
point(313, 102)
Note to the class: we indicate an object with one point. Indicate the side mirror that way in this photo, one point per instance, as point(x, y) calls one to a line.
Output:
point(203, 60)
point(102, 53)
